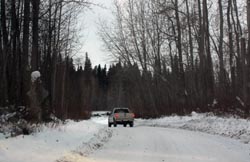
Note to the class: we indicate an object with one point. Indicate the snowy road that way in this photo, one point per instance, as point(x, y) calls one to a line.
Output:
point(152, 144)
point(93, 141)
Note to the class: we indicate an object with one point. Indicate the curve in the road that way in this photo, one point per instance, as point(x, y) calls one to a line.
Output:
point(152, 144)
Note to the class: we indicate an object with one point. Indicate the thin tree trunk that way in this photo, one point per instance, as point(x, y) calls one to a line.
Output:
point(25, 56)
point(190, 36)
point(238, 33)
point(201, 38)
point(202, 87)
point(55, 55)
point(179, 37)
point(231, 50)
point(35, 58)
point(221, 55)
point(248, 61)
point(244, 73)
point(15, 88)
point(209, 64)
point(1, 66)
point(4, 38)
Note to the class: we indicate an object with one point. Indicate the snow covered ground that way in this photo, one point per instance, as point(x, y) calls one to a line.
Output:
point(93, 141)
point(232, 127)
point(226, 126)
point(154, 144)
point(53, 143)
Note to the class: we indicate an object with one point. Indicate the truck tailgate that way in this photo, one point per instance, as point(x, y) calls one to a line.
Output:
point(125, 117)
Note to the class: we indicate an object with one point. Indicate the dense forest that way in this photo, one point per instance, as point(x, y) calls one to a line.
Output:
point(196, 51)
point(36, 36)
point(173, 56)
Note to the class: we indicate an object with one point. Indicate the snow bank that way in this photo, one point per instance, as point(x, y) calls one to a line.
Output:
point(225, 126)
point(100, 120)
point(51, 143)
point(99, 113)
point(100, 117)
point(87, 148)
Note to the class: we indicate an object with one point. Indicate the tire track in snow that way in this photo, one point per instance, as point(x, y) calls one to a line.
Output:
point(87, 148)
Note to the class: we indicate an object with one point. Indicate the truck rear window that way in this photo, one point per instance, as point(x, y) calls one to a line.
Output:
point(121, 111)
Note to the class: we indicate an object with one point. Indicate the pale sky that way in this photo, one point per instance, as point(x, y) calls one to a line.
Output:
point(91, 40)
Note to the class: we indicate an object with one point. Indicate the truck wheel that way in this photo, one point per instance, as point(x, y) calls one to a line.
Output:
point(125, 125)
point(110, 124)
point(131, 124)
point(114, 122)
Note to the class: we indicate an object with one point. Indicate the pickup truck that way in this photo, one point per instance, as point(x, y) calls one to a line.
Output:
point(121, 116)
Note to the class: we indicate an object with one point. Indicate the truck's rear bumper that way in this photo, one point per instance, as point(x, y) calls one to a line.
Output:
point(124, 121)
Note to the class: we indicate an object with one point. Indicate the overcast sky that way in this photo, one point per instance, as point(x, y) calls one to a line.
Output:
point(90, 39)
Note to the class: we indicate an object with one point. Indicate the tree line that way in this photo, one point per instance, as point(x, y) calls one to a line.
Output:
point(173, 56)
point(40, 36)
point(196, 50)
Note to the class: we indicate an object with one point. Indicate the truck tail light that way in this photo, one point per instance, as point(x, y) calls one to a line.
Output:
point(133, 115)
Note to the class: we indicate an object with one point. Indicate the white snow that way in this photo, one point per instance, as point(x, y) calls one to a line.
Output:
point(35, 75)
point(154, 144)
point(2, 136)
point(50, 144)
point(100, 117)
point(100, 113)
point(93, 141)
point(226, 126)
